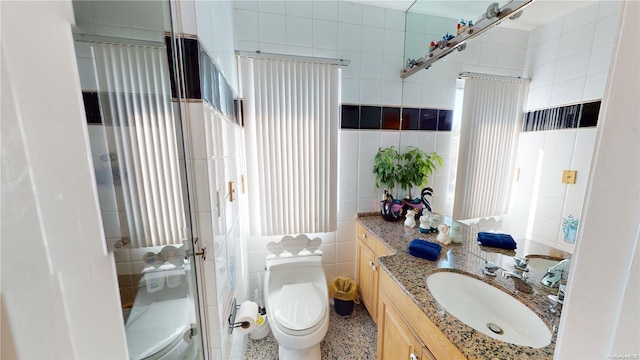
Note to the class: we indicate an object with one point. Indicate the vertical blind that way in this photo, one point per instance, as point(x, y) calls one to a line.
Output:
point(491, 114)
point(291, 123)
point(135, 100)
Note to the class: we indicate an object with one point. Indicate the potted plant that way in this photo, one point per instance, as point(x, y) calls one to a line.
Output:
point(386, 170)
point(386, 167)
point(415, 168)
point(409, 170)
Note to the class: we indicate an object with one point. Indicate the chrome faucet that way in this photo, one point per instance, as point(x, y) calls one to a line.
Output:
point(521, 263)
point(490, 268)
point(555, 274)
point(520, 281)
point(556, 301)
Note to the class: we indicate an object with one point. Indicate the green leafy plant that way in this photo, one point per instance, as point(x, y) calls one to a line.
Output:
point(409, 170)
point(385, 168)
point(415, 168)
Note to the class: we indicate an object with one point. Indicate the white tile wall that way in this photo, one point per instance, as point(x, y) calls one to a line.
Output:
point(274, 7)
point(373, 16)
point(325, 10)
point(570, 56)
point(349, 13)
point(568, 91)
point(365, 35)
point(542, 156)
point(271, 27)
point(142, 20)
point(296, 8)
point(215, 28)
point(299, 31)
point(249, 20)
point(594, 86)
point(214, 160)
point(372, 40)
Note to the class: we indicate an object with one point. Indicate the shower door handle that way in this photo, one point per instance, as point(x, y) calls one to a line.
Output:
point(114, 244)
point(202, 253)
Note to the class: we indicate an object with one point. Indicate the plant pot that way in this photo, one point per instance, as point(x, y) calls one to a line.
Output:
point(415, 204)
point(391, 210)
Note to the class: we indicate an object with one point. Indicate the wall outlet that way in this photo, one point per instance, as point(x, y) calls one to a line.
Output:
point(569, 176)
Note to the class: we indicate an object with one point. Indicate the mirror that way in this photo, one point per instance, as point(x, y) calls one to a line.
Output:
point(565, 49)
point(540, 263)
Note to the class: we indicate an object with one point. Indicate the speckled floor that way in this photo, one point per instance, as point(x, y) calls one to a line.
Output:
point(349, 337)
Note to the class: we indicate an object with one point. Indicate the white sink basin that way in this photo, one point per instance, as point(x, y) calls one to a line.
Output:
point(488, 309)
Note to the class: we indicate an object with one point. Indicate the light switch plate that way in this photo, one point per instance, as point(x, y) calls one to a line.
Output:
point(569, 177)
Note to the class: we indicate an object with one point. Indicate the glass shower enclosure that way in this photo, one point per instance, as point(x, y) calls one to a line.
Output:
point(136, 142)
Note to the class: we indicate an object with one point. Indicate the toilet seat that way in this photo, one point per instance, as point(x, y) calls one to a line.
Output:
point(159, 319)
point(156, 328)
point(299, 308)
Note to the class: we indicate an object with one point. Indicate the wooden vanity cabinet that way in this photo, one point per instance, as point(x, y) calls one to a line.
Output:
point(405, 331)
point(369, 248)
point(396, 340)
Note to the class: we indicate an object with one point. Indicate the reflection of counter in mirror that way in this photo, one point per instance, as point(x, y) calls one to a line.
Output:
point(541, 263)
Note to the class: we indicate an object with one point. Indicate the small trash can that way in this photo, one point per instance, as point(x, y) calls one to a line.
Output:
point(345, 293)
point(262, 330)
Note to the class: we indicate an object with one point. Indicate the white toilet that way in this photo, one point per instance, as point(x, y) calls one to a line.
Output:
point(297, 302)
point(160, 318)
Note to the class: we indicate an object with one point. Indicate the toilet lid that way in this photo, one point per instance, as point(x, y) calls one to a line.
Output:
point(299, 306)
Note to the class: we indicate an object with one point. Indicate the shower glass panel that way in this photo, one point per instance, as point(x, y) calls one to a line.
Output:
point(134, 134)
point(140, 185)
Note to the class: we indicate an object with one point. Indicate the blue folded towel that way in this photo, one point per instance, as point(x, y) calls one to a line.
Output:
point(504, 241)
point(424, 249)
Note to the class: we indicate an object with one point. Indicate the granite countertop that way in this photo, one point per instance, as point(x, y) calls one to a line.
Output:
point(411, 273)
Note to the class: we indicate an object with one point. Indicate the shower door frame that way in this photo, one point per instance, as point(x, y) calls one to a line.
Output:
point(194, 252)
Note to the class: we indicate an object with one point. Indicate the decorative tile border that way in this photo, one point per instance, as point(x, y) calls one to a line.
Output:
point(92, 107)
point(367, 117)
point(563, 117)
point(203, 80)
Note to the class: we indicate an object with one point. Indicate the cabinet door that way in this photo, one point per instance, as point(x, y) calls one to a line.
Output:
point(395, 339)
point(427, 355)
point(366, 278)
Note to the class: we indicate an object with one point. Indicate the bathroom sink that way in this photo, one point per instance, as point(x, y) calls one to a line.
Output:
point(541, 263)
point(488, 309)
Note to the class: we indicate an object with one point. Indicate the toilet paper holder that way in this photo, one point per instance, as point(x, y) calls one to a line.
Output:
point(232, 318)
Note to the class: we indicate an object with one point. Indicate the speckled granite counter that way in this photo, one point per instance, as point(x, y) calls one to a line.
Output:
point(411, 273)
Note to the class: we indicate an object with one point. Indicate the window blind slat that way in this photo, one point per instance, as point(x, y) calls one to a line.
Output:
point(296, 117)
point(490, 124)
point(141, 132)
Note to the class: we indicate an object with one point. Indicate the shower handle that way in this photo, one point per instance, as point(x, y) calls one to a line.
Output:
point(202, 253)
